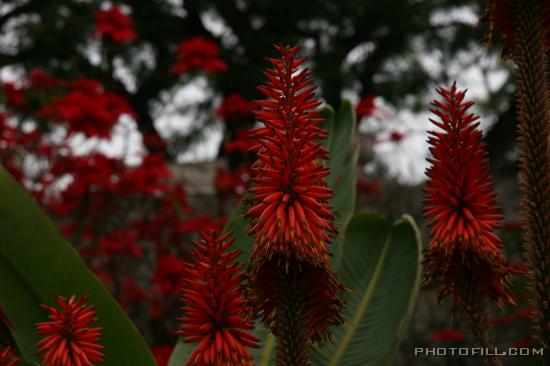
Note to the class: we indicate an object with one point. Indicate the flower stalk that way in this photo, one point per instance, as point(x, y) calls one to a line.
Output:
point(533, 112)
point(292, 336)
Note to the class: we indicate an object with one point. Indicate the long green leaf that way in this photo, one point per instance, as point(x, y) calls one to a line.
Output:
point(381, 266)
point(36, 263)
point(340, 141)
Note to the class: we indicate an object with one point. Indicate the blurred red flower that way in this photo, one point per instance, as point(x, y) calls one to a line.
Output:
point(502, 320)
point(39, 80)
point(396, 136)
point(512, 225)
point(369, 187)
point(234, 106)
point(7, 357)
point(162, 354)
point(121, 242)
point(447, 334)
point(204, 222)
point(115, 25)
point(244, 142)
point(87, 108)
point(14, 97)
point(198, 53)
point(524, 342)
point(168, 274)
point(232, 182)
point(365, 107)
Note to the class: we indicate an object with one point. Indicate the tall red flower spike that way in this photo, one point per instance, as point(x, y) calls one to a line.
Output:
point(7, 357)
point(68, 339)
point(215, 309)
point(289, 208)
point(464, 254)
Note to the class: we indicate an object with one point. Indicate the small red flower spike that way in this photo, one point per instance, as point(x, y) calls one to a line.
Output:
point(68, 339)
point(215, 309)
point(464, 254)
point(7, 357)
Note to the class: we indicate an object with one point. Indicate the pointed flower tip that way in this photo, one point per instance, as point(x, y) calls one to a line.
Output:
point(68, 338)
point(289, 205)
point(461, 208)
point(216, 314)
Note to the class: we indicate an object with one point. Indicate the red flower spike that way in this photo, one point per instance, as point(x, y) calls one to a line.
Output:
point(68, 339)
point(216, 314)
point(289, 208)
point(7, 357)
point(464, 254)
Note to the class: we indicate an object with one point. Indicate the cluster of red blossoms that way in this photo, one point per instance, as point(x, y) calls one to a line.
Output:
point(289, 208)
point(7, 357)
point(87, 108)
point(113, 24)
point(366, 107)
point(214, 309)
point(68, 338)
point(464, 255)
point(198, 53)
point(234, 106)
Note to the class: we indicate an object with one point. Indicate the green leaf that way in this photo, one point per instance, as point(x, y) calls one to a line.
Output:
point(381, 267)
point(343, 155)
point(36, 263)
point(327, 114)
point(340, 141)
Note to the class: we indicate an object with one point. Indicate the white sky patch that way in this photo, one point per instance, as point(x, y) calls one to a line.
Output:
point(206, 151)
point(126, 142)
point(123, 73)
point(463, 14)
point(217, 26)
point(169, 118)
